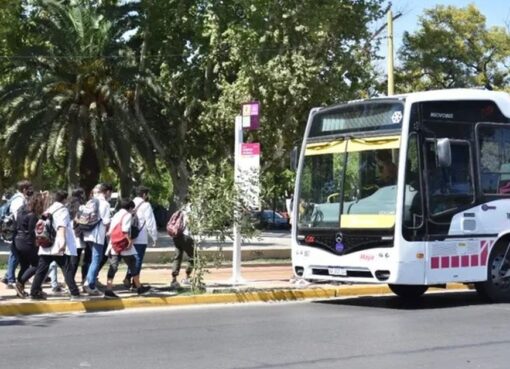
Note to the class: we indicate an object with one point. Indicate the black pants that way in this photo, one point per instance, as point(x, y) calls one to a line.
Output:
point(28, 260)
point(183, 244)
point(130, 261)
point(87, 255)
point(64, 262)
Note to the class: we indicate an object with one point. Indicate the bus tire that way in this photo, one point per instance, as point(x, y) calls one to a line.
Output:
point(408, 291)
point(494, 289)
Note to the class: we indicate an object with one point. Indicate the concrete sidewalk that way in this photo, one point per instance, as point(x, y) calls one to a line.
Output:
point(263, 283)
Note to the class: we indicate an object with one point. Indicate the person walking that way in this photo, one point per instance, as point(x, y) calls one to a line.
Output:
point(75, 202)
point(24, 191)
point(95, 239)
point(146, 227)
point(60, 251)
point(26, 220)
point(184, 244)
point(119, 233)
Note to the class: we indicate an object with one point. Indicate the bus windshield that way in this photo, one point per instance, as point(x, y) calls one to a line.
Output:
point(349, 183)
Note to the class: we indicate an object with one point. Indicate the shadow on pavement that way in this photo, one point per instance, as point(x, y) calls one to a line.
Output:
point(436, 300)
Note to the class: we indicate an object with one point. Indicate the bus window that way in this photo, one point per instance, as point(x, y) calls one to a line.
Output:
point(321, 184)
point(494, 145)
point(449, 188)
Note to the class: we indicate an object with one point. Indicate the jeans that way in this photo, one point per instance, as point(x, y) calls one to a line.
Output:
point(140, 254)
point(12, 264)
point(97, 257)
point(52, 273)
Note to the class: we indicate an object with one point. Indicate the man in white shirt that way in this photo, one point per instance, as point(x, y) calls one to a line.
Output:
point(147, 226)
point(18, 200)
point(62, 250)
point(95, 239)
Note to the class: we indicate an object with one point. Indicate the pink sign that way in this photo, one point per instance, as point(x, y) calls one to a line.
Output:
point(250, 113)
point(250, 149)
point(251, 108)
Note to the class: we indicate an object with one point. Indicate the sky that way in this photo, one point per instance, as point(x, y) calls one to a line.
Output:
point(497, 13)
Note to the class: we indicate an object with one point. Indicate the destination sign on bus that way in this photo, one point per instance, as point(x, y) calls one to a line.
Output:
point(356, 117)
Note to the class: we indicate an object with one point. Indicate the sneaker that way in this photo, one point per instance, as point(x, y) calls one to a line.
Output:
point(39, 295)
point(174, 285)
point(10, 286)
point(99, 285)
point(57, 289)
point(20, 290)
point(91, 291)
point(77, 298)
point(127, 283)
point(186, 282)
point(109, 294)
point(143, 289)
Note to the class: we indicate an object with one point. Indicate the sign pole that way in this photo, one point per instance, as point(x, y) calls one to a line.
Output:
point(236, 250)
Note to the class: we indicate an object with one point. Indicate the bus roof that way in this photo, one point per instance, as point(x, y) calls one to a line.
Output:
point(502, 99)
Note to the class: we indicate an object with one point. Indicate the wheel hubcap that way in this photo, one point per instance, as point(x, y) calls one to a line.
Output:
point(498, 273)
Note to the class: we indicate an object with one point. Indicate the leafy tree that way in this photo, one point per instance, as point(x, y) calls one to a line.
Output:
point(453, 47)
point(68, 96)
point(209, 57)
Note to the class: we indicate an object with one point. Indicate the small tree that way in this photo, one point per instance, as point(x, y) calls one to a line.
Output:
point(214, 200)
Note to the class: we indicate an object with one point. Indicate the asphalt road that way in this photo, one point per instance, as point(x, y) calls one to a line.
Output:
point(448, 330)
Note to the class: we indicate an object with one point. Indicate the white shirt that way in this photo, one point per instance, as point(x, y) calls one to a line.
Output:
point(18, 200)
point(146, 221)
point(186, 210)
point(98, 234)
point(125, 217)
point(61, 219)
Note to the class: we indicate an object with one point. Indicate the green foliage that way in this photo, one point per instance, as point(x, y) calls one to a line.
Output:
point(453, 47)
point(216, 204)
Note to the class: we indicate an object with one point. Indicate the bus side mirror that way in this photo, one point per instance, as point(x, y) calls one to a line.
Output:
point(294, 158)
point(444, 153)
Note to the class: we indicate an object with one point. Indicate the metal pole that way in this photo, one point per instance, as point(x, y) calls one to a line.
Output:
point(391, 83)
point(236, 250)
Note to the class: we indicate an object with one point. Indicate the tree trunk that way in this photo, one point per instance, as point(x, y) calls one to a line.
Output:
point(89, 168)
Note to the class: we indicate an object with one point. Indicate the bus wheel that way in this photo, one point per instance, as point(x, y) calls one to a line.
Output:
point(497, 286)
point(408, 291)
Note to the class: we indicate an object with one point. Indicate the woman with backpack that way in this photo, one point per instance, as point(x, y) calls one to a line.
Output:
point(26, 220)
point(121, 247)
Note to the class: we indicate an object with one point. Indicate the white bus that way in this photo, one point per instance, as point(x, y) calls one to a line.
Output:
point(411, 191)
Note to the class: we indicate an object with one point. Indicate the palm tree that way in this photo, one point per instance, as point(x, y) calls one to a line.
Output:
point(69, 95)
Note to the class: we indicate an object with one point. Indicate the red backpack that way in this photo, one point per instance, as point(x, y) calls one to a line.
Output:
point(175, 226)
point(119, 239)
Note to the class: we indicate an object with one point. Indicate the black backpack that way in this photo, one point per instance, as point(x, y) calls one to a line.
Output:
point(7, 222)
point(135, 223)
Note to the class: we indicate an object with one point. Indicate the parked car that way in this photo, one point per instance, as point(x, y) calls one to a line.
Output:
point(269, 219)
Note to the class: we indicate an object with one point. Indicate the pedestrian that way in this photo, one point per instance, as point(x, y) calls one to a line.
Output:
point(95, 239)
point(184, 244)
point(24, 191)
point(60, 251)
point(75, 202)
point(26, 220)
point(146, 227)
point(120, 233)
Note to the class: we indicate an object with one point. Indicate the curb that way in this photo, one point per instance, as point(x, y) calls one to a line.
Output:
point(268, 295)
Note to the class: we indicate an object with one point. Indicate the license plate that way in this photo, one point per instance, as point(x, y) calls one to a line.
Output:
point(337, 271)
